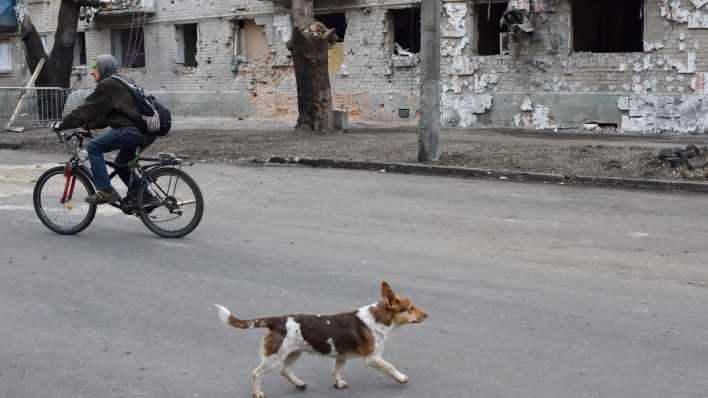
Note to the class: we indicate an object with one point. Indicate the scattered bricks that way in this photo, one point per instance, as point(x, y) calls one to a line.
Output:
point(692, 160)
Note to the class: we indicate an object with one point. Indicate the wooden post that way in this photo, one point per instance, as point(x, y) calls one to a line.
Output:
point(30, 84)
point(430, 93)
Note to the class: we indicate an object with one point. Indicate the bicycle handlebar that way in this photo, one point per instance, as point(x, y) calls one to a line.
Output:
point(80, 134)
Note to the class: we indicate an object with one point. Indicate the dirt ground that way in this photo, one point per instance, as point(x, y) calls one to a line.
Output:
point(502, 150)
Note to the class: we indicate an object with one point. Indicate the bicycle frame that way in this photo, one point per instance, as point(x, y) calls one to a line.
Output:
point(136, 169)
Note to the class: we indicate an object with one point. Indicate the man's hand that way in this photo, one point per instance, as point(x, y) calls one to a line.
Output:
point(55, 127)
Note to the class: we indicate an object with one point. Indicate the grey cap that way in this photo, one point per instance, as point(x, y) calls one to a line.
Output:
point(106, 65)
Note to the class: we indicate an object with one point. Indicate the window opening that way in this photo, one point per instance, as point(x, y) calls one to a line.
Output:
point(128, 46)
point(250, 39)
point(80, 49)
point(608, 26)
point(406, 29)
point(187, 37)
point(5, 56)
point(338, 22)
point(490, 33)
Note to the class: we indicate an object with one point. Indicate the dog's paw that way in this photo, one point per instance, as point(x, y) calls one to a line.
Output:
point(259, 394)
point(302, 386)
point(402, 379)
point(340, 384)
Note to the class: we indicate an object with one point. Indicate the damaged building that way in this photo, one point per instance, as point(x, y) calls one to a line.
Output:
point(632, 65)
point(229, 58)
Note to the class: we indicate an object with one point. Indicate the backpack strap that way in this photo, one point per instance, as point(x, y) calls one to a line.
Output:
point(123, 80)
point(140, 123)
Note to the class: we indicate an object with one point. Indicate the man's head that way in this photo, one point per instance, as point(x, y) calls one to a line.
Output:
point(103, 67)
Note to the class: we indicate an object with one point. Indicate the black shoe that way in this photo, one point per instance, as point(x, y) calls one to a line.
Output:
point(103, 197)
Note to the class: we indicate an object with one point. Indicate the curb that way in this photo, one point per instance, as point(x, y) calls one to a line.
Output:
point(472, 173)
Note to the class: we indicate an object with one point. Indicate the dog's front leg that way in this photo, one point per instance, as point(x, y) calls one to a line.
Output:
point(380, 364)
point(339, 382)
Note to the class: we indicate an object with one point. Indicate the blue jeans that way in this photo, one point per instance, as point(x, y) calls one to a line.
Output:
point(128, 140)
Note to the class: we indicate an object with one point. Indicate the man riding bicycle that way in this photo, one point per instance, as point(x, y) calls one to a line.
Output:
point(110, 105)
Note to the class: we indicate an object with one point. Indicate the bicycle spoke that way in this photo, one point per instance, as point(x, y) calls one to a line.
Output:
point(179, 210)
point(67, 217)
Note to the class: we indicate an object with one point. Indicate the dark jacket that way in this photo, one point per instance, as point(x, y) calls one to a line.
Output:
point(111, 104)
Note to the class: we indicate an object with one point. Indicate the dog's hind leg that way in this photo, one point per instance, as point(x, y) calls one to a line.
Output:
point(267, 365)
point(339, 382)
point(287, 372)
point(270, 359)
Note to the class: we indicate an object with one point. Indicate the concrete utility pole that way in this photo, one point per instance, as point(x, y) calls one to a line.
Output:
point(430, 93)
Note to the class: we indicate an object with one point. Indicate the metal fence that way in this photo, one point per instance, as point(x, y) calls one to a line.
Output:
point(37, 107)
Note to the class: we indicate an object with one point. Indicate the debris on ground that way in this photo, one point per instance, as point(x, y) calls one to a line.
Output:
point(691, 161)
point(503, 150)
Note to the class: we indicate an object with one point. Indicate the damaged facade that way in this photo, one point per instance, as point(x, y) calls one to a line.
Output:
point(229, 58)
point(633, 65)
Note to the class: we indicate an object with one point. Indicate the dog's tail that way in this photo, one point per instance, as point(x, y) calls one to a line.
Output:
point(227, 317)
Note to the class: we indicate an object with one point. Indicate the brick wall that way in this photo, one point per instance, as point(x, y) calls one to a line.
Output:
point(543, 83)
point(368, 85)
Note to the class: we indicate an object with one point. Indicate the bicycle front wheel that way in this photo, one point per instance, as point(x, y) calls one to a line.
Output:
point(59, 201)
point(171, 203)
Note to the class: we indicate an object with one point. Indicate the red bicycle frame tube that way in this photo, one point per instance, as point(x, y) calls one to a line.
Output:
point(69, 184)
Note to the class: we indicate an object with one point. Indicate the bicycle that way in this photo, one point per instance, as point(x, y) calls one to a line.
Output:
point(60, 192)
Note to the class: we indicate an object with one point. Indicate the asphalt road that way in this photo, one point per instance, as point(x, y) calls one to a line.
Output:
point(532, 290)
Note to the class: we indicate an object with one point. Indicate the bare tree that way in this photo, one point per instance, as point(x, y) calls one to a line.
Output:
point(57, 70)
point(309, 46)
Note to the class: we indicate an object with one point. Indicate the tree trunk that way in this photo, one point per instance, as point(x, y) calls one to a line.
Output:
point(57, 70)
point(310, 50)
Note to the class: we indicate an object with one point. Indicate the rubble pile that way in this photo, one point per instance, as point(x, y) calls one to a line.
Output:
point(692, 160)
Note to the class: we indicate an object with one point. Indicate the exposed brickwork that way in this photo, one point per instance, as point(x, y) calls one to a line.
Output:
point(542, 83)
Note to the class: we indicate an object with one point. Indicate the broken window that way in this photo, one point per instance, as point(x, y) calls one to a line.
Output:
point(490, 33)
point(608, 26)
point(406, 29)
point(338, 22)
point(80, 49)
point(128, 46)
point(250, 39)
point(187, 37)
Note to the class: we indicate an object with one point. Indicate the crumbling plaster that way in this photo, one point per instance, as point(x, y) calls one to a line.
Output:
point(543, 84)
point(540, 83)
point(373, 82)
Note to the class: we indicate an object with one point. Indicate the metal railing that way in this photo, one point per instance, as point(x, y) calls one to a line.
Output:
point(37, 107)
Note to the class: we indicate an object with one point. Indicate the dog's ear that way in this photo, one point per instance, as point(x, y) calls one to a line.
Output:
point(389, 297)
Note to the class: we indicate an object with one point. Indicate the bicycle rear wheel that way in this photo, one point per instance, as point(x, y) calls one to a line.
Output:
point(59, 201)
point(171, 203)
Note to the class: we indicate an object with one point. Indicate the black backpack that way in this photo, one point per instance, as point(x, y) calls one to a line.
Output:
point(155, 118)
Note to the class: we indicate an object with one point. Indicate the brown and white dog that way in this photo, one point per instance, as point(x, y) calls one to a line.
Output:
point(358, 334)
